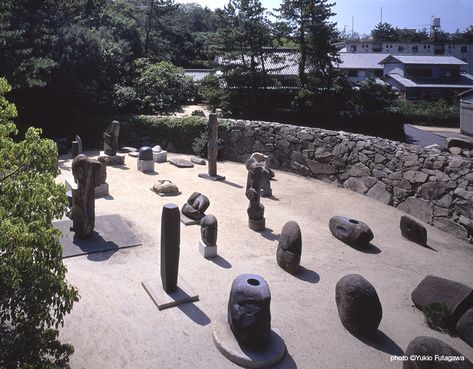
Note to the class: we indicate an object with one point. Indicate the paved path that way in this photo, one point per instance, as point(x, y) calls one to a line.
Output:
point(420, 137)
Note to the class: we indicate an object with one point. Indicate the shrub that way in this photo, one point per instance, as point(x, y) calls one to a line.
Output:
point(198, 113)
point(440, 113)
point(34, 295)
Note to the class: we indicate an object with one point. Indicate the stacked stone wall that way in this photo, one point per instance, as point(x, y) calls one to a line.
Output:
point(431, 185)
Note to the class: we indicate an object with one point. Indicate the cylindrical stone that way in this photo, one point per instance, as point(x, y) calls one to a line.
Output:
point(212, 148)
point(75, 149)
point(170, 240)
point(145, 153)
point(249, 313)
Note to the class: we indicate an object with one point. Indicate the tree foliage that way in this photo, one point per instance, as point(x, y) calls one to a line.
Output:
point(34, 295)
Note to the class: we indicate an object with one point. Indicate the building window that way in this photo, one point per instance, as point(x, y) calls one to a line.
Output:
point(463, 49)
point(352, 73)
point(400, 49)
point(425, 47)
point(378, 72)
point(428, 46)
point(353, 47)
point(415, 49)
point(418, 72)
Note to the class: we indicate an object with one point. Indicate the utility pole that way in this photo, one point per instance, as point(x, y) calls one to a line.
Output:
point(352, 24)
point(381, 15)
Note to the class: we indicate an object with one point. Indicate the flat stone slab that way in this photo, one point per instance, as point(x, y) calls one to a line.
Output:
point(127, 149)
point(212, 178)
point(134, 154)
point(164, 300)
point(198, 161)
point(111, 233)
point(181, 163)
point(166, 194)
point(188, 221)
point(226, 343)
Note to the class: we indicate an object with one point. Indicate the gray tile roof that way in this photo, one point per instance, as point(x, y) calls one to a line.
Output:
point(423, 59)
point(360, 60)
point(466, 81)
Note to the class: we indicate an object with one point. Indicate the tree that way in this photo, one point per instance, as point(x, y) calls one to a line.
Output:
point(34, 295)
point(308, 25)
point(385, 32)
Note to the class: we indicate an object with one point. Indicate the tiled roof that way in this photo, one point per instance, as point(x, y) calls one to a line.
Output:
point(466, 81)
point(197, 75)
point(423, 59)
point(360, 60)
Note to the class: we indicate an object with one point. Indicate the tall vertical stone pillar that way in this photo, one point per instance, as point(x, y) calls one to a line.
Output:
point(212, 150)
point(170, 240)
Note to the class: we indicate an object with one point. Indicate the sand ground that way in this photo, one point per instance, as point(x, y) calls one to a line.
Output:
point(116, 325)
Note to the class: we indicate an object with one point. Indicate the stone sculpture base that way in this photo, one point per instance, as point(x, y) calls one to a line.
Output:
point(166, 194)
point(207, 251)
point(211, 178)
point(160, 157)
point(111, 233)
point(164, 300)
point(145, 166)
point(227, 344)
point(257, 225)
point(188, 221)
point(266, 193)
point(102, 190)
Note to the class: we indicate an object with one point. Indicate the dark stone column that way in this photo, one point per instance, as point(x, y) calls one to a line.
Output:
point(212, 148)
point(110, 137)
point(170, 240)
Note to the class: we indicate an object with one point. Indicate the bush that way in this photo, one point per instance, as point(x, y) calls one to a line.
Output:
point(198, 113)
point(423, 112)
point(34, 295)
point(161, 87)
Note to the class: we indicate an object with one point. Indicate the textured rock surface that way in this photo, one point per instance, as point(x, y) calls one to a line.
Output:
point(358, 305)
point(457, 297)
point(288, 254)
point(432, 347)
point(249, 312)
point(413, 230)
point(196, 206)
point(351, 231)
point(208, 230)
point(464, 327)
point(165, 186)
point(410, 177)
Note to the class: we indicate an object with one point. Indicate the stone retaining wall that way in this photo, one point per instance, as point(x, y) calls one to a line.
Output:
point(434, 186)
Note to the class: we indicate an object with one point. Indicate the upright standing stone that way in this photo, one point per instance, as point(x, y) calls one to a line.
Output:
point(76, 147)
point(413, 230)
point(249, 313)
point(255, 211)
point(145, 162)
point(266, 190)
point(88, 174)
point(212, 150)
point(110, 137)
point(289, 250)
point(170, 241)
point(358, 305)
point(208, 233)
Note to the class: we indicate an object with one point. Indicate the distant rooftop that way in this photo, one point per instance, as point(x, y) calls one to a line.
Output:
point(466, 81)
point(422, 59)
point(197, 75)
point(360, 60)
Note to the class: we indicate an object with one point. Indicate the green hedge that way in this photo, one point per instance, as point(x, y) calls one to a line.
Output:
point(422, 112)
point(178, 132)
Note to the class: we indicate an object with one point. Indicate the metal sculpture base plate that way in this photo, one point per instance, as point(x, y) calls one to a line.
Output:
point(164, 300)
point(227, 344)
point(207, 251)
point(257, 225)
point(212, 178)
point(188, 221)
point(111, 233)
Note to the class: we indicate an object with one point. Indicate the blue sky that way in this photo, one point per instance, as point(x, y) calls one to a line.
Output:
point(401, 13)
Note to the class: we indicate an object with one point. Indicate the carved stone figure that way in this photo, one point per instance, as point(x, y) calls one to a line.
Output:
point(76, 147)
point(255, 211)
point(145, 153)
point(265, 183)
point(170, 241)
point(249, 313)
point(196, 206)
point(358, 305)
point(166, 187)
point(413, 230)
point(208, 230)
point(145, 162)
point(353, 232)
point(110, 138)
point(289, 250)
point(88, 173)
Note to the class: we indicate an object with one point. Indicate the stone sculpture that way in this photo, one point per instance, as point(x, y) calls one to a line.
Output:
point(145, 162)
point(425, 347)
point(413, 230)
point(208, 234)
point(196, 206)
point(249, 313)
point(464, 327)
point(350, 231)
point(76, 147)
point(170, 241)
point(265, 183)
point(165, 187)
point(289, 250)
point(358, 305)
point(212, 150)
point(159, 155)
point(110, 138)
point(256, 220)
point(88, 174)
point(457, 297)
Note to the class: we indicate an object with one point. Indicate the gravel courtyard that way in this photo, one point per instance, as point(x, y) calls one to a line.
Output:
point(116, 324)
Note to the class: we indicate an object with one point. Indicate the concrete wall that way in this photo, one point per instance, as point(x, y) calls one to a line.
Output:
point(434, 186)
point(466, 113)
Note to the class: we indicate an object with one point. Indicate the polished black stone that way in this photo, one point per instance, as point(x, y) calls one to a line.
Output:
point(289, 250)
point(170, 241)
point(413, 230)
point(145, 153)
